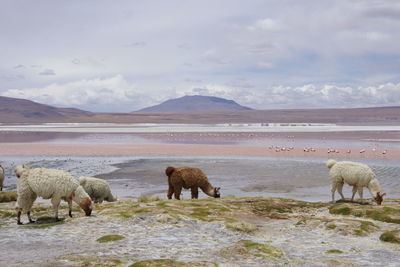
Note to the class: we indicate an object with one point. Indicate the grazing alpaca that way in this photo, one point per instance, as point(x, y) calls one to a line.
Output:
point(355, 174)
point(97, 189)
point(49, 184)
point(188, 177)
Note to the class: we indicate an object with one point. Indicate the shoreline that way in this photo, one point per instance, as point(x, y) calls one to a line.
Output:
point(67, 149)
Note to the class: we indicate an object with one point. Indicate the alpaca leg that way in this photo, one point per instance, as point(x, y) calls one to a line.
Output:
point(19, 216)
point(340, 190)
point(333, 189)
point(360, 192)
point(29, 217)
point(170, 192)
point(70, 207)
point(354, 193)
point(195, 192)
point(56, 202)
point(177, 192)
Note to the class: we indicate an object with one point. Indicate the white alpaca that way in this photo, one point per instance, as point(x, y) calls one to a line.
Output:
point(49, 184)
point(354, 174)
point(97, 189)
point(1, 177)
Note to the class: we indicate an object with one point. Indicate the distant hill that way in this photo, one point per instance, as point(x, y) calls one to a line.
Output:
point(15, 110)
point(195, 103)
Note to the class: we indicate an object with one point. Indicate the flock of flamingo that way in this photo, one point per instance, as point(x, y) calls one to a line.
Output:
point(330, 150)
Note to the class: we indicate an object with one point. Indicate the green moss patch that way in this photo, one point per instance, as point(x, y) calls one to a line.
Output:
point(110, 238)
point(94, 261)
point(272, 206)
point(170, 263)
point(365, 228)
point(386, 214)
point(248, 248)
point(44, 222)
point(391, 236)
point(340, 209)
point(147, 199)
point(331, 226)
point(8, 196)
point(241, 227)
point(7, 214)
point(334, 251)
point(375, 212)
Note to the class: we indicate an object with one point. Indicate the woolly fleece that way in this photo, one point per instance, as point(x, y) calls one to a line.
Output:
point(49, 183)
point(188, 177)
point(354, 174)
point(97, 189)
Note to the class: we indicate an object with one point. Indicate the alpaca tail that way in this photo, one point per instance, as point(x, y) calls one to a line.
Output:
point(169, 171)
point(330, 163)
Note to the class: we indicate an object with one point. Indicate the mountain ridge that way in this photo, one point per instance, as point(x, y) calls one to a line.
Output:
point(195, 103)
point(18, 110)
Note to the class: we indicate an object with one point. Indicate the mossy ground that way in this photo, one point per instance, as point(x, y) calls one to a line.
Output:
point(248, 248)
point(44, 222)
point(391, 237)
point(110, 238)
point(8, 196)
point(365, 228)
point(223, 210)
point(243, 215)
point(170, 263)
point(93, 261)
point(334, 251)
point(384, 213)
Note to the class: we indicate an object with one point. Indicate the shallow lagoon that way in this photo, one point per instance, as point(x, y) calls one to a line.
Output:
point(132, 177)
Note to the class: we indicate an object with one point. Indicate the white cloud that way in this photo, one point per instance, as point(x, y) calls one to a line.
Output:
point(306, 96)
point(100, 94)
point(117, 94)
point(265, 65)
point(268, 43)
point(47, 72)
point(267, 24)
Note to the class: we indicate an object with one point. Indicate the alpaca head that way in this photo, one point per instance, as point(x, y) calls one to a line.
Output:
point(86, 205)
point(83, 200)
point(217, 194)
point(20, 169)
point(379, 198)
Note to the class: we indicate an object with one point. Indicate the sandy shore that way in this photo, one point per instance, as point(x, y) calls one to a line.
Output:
point(54, 149)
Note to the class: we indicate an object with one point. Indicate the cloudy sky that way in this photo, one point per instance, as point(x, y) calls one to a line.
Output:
point(125, 55)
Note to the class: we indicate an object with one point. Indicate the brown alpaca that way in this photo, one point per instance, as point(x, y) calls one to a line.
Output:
point(188, 177)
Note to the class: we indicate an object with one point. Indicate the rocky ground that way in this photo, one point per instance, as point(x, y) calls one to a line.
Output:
point(207, 232)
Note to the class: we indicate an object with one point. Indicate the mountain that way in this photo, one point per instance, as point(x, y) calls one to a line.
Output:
point(15, 110)
point(195, 103)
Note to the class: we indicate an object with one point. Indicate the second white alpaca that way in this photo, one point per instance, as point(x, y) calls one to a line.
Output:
point(98, 189)
point(354, 174)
